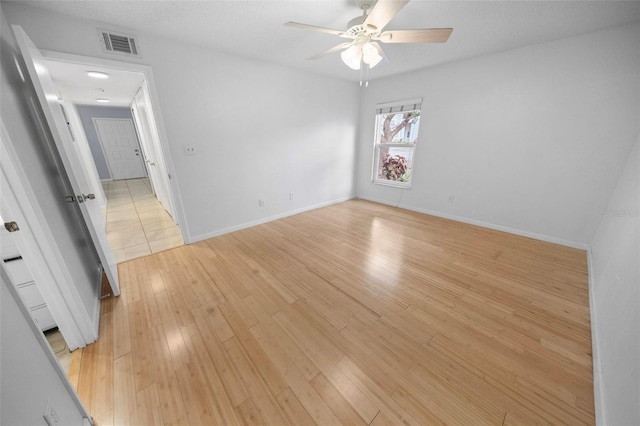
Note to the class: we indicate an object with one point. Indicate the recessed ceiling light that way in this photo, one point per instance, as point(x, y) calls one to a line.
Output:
point(97, 74)
point(102, 100)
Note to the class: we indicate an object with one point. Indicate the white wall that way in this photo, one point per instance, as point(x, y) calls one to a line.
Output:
point(261, 131)
point(615, 298)
point(529, 140)
point(29, 377)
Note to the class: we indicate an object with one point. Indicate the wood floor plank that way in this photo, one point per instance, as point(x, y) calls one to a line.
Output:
point(74, 368)
point(295, 355)
point(121, 329)
point(220, 358)
point(169, 322)
point(206, 382)
point(356, 313)
point(102, 389)
point(267, 370)
point(304, 393)
point(259, 392)
point(148, 406)
point(171, 403)
point(336, 402)
point(249, 413)
point(125, 410)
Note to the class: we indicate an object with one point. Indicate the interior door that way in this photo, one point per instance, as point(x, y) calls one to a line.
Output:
point(120, 144)
point(48, 99)
point(147, 155)
point(151, 156)
point(142, 113)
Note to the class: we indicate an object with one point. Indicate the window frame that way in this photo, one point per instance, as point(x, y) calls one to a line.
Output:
point(382, 111)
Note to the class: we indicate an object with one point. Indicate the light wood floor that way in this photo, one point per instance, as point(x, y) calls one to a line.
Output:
point(356, 313)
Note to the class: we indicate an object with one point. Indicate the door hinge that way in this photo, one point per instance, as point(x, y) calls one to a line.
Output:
point(11, 226)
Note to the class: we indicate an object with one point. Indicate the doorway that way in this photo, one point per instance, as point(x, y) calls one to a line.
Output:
point(139, 214)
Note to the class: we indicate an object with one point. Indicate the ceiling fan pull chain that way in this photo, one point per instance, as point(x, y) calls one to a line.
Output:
point(366, 76)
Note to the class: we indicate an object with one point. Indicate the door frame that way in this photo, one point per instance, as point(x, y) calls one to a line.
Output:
point(157, 119)
point(94, 120)
point(37, 244)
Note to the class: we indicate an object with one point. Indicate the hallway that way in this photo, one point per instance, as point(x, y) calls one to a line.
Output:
point(137, 224)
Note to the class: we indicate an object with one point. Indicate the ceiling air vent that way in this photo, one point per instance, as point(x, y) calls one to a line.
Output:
point(118, 43)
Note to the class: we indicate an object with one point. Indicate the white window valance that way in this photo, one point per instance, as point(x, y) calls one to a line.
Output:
point(399, 106)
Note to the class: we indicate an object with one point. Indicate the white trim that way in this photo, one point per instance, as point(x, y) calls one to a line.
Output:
point(598, 389)
point(269, 219)
point(528, 234)
point(37, 243)
point(46, 347)
point(174, 188)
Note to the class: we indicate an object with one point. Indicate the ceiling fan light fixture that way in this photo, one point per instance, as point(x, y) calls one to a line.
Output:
point(370, 55)
point(352, 56)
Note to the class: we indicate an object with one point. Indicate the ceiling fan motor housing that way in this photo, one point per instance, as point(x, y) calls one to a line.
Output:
point(356, 27)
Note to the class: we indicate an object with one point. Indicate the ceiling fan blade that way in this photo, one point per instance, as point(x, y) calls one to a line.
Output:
point(429, 35)
point(333, 49)
point(314, 28)
point(383, 12)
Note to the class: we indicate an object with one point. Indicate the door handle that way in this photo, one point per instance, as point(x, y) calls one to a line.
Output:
point(151, 163)
point(11, 226)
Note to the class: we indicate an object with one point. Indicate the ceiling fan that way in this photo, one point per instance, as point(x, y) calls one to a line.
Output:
point(366, 31)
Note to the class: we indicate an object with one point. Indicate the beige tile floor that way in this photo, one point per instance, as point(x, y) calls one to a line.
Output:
point(137, 224)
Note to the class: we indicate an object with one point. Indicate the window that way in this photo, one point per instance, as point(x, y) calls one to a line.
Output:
point(396, 134)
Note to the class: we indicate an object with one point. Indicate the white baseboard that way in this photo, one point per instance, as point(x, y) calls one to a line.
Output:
point(598, 391)
point(535, 236)
point(196, 238)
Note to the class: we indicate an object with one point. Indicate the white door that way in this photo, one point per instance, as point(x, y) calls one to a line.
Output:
point(48, 99)
point(150, 140)
point(141, 121)
point(121, 148)
point(147, 152)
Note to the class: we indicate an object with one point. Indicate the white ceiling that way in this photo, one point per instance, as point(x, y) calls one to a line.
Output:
point(77, 87)
point(254, 29)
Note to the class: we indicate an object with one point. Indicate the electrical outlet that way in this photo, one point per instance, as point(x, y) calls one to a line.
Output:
point(261, 203)
point(292, 195)
point(190, 149)
point(50, 415)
